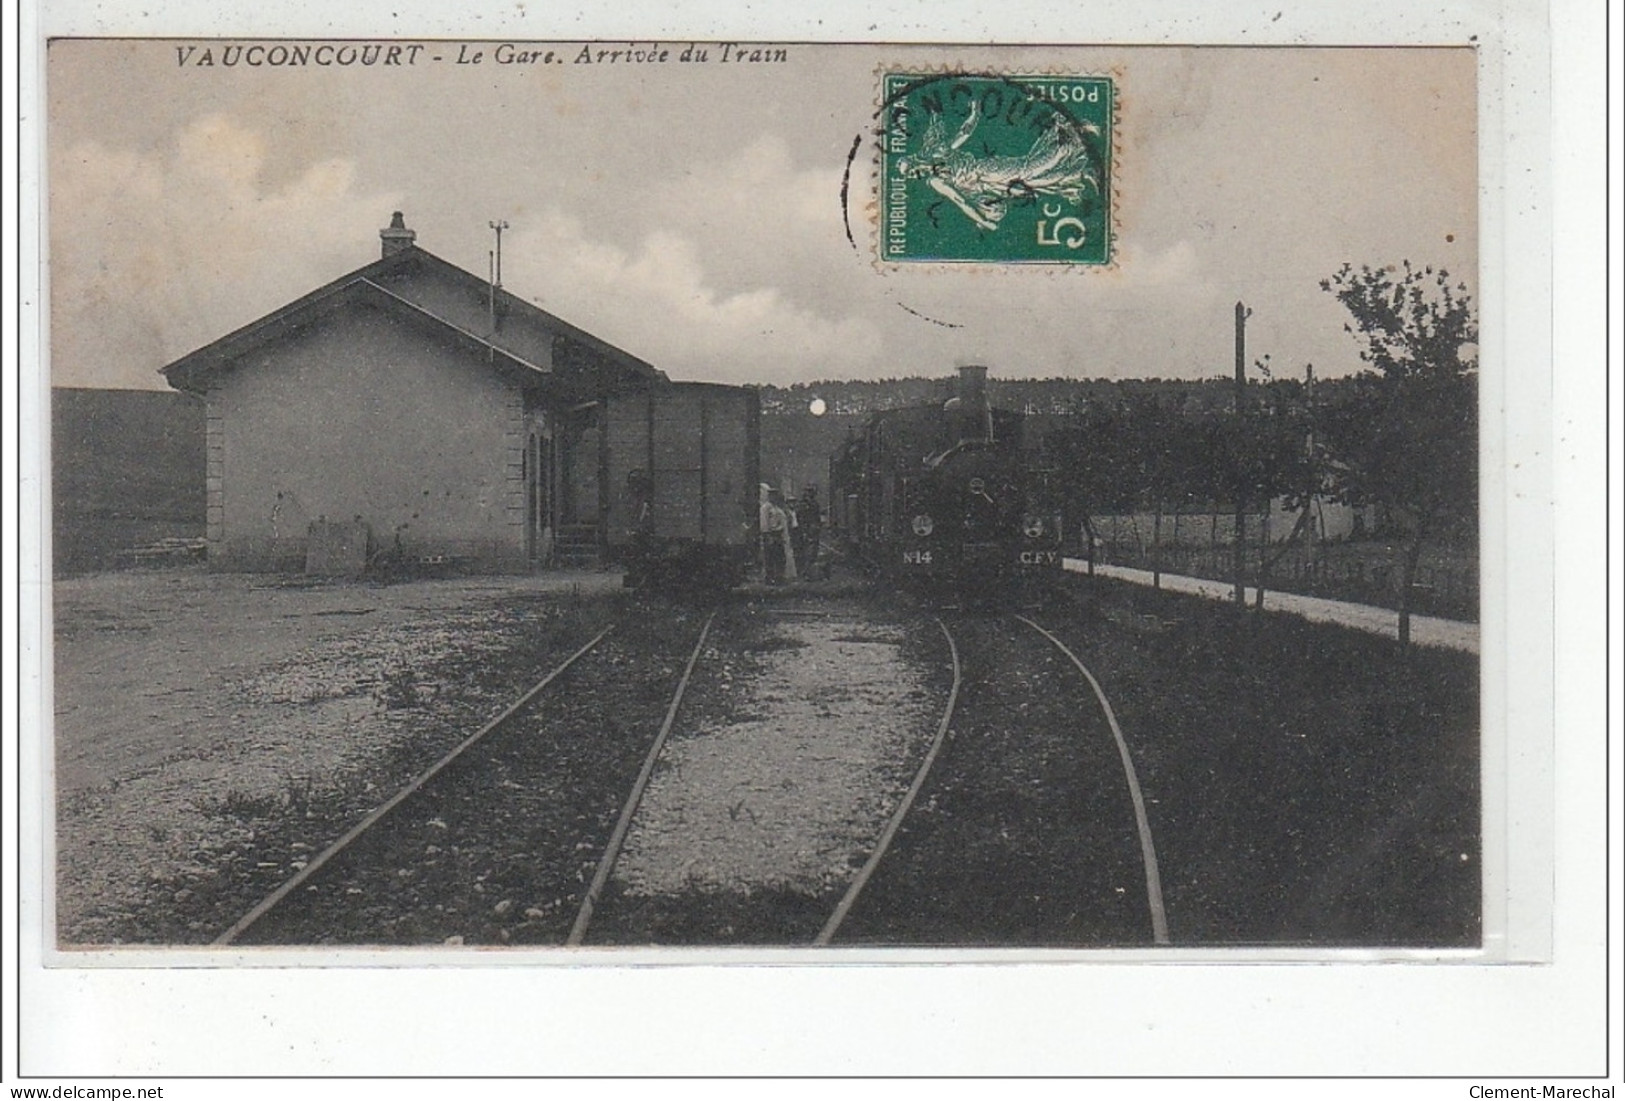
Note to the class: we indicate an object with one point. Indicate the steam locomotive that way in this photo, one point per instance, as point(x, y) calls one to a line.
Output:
point(945, 495)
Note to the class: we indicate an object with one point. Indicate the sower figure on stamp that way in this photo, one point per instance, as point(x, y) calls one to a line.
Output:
point(1059, 163)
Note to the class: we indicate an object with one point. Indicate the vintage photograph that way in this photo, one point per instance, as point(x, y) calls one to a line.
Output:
point(536, 496)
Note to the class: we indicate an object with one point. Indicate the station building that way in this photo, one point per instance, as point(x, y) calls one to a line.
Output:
point(407, 412)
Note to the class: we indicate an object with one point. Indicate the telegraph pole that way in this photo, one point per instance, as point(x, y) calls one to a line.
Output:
point(1242, 313)
point(496, 271)
point(499, 227)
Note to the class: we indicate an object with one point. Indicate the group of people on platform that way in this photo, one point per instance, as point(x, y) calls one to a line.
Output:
point(790, 534)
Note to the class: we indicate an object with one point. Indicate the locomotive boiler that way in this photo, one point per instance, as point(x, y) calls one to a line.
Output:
point(944, 494)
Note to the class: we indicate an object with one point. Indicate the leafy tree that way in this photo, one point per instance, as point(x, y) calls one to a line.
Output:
point(1404, 434)
point(1282, 459)
point(1258, 455)
point(1156, 455)
point(1096, 457)
point(1185, 464)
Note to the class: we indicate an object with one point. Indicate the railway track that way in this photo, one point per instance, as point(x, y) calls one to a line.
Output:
point(612, 851)
point(1142, 825)
point(1043, 843)
point(479, 848)
point(765, 803)
point(505, 815)
point(895, 822)
point(383, 810)
point(1091, 738)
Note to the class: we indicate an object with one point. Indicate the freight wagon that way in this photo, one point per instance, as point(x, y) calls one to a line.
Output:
point(680, 467)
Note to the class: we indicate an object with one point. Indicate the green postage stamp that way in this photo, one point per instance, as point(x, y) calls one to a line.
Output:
point(996, 169)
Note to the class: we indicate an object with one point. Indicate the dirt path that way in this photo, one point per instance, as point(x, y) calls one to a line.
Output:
point(152, 666)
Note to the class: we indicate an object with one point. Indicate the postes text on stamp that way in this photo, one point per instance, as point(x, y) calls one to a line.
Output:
point(996, 169)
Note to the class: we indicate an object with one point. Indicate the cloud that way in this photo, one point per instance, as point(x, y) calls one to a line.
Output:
point(756, 218)
point(155, 253)
point(158, 252)
point(760, 194)
point(660, 300)
point(1144, 267)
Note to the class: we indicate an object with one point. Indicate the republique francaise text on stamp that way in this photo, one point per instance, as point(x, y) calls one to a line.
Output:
point(996, 169)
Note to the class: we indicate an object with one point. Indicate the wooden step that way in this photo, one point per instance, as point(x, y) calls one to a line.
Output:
point(576, 546)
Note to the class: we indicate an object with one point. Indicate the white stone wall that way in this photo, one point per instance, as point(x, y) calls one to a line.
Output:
point(365, 416)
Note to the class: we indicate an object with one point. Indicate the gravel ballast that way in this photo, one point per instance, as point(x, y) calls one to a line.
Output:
point(789, 787)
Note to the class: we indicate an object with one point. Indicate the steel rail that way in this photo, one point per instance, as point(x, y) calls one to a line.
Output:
point(1148, 851)
point(378, 813)
point(892, 826)
point(612, 851)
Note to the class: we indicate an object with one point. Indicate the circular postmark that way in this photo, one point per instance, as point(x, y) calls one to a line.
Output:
point(990, 168)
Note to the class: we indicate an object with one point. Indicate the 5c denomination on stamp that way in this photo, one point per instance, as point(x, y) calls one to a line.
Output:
point(996, 169)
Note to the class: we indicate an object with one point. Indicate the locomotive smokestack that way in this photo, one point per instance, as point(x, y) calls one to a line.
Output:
point(969, 410)
point(973, 384)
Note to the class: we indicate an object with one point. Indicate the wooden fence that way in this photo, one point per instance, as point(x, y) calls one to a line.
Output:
point(1367, 572)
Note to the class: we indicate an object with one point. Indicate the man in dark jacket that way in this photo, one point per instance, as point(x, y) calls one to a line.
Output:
point(809, 528)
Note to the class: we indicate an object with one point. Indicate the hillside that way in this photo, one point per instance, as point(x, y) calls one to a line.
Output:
point(796, 445)
point(126, 470)
point(1054, 395)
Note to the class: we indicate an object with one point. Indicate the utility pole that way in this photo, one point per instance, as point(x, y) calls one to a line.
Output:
point(499, 227)
point(496, 271)
point(1242, 313)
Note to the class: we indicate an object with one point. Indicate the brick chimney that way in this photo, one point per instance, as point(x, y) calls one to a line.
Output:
point(397, 237)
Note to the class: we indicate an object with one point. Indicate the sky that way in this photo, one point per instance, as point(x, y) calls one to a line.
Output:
point(691, 213)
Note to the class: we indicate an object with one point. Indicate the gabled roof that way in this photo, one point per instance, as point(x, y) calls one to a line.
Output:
point(421, 286)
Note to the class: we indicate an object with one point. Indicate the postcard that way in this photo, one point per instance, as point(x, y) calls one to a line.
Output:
point(541, 505)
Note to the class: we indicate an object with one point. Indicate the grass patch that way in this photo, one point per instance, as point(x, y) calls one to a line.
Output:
point(1306, 783)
